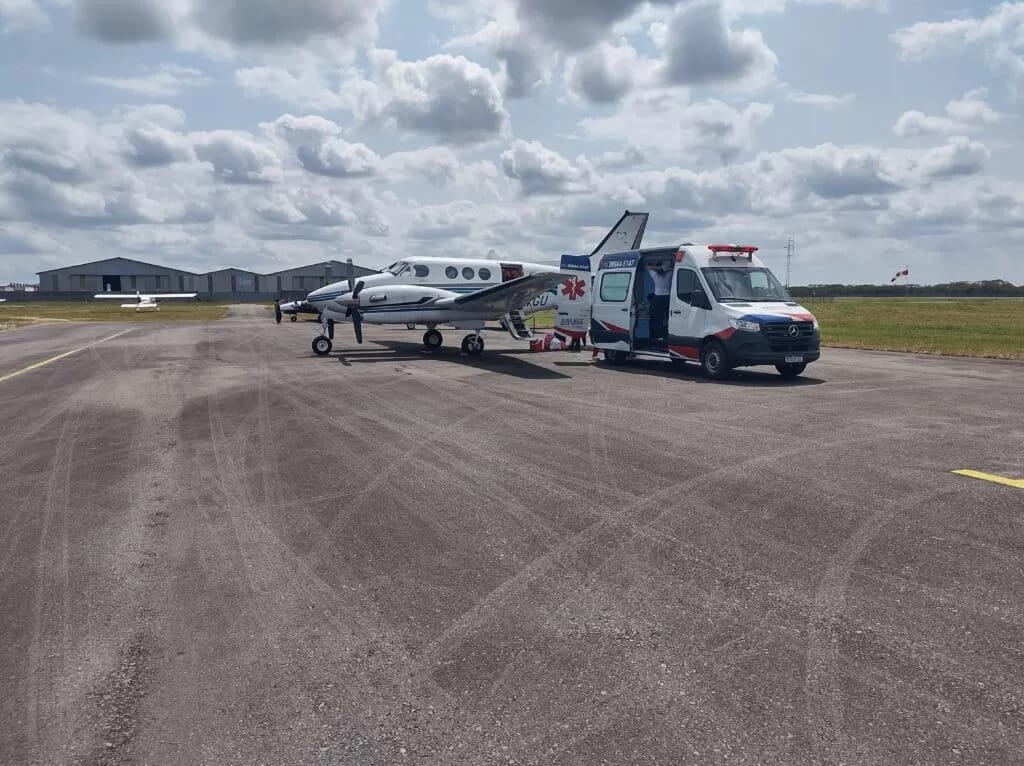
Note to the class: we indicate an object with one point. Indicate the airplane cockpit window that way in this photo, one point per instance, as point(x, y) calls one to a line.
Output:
point(485, 275)
point(421, 271)
point(451, 272)
point(467, 273)
point(397, 268)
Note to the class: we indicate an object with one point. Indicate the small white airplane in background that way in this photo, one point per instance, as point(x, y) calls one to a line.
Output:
point(466, 294)
point(144, 301)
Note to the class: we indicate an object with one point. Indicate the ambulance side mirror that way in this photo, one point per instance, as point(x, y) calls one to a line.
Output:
point(699, 299)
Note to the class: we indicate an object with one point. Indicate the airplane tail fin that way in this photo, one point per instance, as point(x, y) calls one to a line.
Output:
point(572, 317)
point(627, 234)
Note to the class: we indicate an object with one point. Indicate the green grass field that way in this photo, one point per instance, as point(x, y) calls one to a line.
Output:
point(20, 314)
point(991, 328)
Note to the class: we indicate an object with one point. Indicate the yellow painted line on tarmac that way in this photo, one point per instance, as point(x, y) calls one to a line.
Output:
point(1018, 483)
point(66, 354)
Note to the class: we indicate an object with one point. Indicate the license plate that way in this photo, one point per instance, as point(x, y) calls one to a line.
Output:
point(794, 359)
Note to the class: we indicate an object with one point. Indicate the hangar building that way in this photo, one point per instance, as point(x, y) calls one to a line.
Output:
point(117, 275)
point(127, 275)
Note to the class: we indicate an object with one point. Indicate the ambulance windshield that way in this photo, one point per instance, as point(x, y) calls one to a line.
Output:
point(745, 284)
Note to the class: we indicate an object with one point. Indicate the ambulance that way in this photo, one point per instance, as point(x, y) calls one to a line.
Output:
point(725, 309)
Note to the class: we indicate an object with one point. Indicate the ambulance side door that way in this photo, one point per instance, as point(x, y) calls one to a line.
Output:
point(687, 316)
point(613, 312)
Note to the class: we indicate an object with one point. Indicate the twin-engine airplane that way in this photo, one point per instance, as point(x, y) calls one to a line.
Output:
point(143, 301)
point(465, 294)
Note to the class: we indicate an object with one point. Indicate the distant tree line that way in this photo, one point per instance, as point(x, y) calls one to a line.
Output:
point(991, 288)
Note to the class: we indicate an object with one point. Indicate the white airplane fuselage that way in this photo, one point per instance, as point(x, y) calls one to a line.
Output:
point(419, 280)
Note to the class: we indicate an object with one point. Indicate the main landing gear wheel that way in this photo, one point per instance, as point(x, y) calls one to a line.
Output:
point(614, 357)
point(322, 345)
point(473, 345)
point(410, 325)
point(432, 339)
point(295, 317)
point(714, 361)
point(791, 370)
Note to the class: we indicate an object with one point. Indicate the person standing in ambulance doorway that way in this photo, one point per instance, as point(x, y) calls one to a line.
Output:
point(662, 277)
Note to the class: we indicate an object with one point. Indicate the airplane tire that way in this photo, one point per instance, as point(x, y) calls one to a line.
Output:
point(432, 339)
point(322, 345)
point(473, 345)
point(294, 317)
point(614, 357)
point(410, 326)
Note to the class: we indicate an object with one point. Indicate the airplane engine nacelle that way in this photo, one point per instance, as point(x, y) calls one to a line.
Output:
point(390, 295)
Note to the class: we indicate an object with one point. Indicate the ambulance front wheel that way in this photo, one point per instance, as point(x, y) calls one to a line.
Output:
point(714, 361)
point(322, 345)
point(791, 370)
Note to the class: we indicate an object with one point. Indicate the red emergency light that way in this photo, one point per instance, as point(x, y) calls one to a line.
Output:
point(732, 248)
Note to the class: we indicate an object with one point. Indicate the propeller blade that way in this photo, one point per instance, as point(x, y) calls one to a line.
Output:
point(359, 288)
point(357, 325)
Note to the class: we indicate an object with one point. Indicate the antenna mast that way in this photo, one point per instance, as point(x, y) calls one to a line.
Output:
point(790, 247)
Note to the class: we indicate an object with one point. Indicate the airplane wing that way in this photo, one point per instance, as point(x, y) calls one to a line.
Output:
point(162, 296)
point(505, 297)
point(115, 296)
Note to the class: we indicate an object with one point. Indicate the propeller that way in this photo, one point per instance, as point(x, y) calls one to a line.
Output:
point(353, 311)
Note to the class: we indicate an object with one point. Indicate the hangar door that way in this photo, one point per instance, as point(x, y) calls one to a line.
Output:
point(112, 284)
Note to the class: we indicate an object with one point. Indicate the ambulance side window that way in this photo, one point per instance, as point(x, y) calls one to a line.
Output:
point(615, 286)
point(686, 283)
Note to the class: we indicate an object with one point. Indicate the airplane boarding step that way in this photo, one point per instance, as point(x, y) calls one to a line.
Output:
point(515, 323)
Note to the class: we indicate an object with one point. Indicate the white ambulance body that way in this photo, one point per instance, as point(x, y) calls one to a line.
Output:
point(725, 310)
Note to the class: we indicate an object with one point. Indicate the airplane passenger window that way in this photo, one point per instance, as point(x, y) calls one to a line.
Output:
point(467, 273)
point(451, 272)
point(421, 271)
point(485, 275)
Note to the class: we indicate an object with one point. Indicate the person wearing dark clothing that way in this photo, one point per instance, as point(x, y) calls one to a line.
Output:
point(277, 311)
point(659, 300)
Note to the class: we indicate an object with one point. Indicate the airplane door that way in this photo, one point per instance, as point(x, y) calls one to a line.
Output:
point(613, 309)
point(686, 320)
point(510, 271)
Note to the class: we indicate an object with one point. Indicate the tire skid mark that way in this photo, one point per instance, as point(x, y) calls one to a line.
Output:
point(822, 686)
point(604, 538)
point(465, 450)
point(278, 565)
point(51, 566)
point(476, 449)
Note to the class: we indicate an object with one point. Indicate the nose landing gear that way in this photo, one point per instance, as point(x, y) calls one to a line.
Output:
point(323, 343)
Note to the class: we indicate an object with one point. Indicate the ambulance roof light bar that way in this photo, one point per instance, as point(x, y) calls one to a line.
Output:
point(719, 251)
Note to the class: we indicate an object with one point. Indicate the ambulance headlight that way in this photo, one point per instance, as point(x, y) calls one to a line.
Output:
point(743, 324)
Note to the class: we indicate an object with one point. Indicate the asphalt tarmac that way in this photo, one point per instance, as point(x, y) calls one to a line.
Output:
point(217, 548)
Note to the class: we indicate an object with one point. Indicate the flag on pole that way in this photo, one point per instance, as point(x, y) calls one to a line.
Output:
point(904, 273)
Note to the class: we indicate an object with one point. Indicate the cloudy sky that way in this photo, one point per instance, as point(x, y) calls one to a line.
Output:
point(269, 133)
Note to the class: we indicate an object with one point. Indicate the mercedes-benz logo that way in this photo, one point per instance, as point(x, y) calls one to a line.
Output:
point(793, 331)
